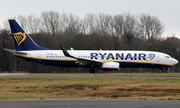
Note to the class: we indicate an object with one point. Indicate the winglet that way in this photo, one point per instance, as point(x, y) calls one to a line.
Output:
point(65, 51)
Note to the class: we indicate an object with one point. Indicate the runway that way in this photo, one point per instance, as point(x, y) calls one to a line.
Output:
point(80, 76)
point(89, 104)
point(12, 74)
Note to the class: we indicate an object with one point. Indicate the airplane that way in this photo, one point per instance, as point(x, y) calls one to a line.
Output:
point(111, 60)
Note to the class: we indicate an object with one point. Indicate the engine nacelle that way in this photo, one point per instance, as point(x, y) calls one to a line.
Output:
point(110, 66)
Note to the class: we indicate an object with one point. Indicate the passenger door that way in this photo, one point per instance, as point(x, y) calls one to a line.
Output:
point(157, 58)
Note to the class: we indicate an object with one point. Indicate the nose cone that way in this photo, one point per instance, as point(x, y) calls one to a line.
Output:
point(174, 61)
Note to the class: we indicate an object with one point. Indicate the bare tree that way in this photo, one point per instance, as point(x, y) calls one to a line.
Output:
point(6, 23)
point(22, 21)
point(71, 23)
point(117, 23)
point(32, 24)
point(103, 24)
point(129, 23)
point(150, 26)
point(90, 22)
point(49, 21)
point(84, 27)
point(28, 23)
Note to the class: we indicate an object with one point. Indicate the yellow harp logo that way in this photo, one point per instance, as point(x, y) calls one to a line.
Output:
point(19, 37)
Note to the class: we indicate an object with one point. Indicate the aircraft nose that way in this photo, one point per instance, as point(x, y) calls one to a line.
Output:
point(174, 61)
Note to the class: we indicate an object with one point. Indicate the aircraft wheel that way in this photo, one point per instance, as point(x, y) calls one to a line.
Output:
point(92, 70)
point(159, 71)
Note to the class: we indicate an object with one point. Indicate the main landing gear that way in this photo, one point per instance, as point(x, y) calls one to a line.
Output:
point(161, 69)
point(92, 70)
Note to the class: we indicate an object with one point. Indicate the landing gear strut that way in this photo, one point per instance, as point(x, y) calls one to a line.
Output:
point(92, 70)
point(161, 69)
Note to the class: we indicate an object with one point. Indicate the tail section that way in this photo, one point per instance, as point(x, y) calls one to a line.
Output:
point(23, 41)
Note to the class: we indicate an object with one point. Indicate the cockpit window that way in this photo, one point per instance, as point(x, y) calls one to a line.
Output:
point(167, 57)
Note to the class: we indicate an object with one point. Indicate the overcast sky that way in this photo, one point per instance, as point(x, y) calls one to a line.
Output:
point(168, 11)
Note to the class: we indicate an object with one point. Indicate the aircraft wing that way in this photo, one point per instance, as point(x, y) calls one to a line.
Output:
point(14, 51)
point(82, 61)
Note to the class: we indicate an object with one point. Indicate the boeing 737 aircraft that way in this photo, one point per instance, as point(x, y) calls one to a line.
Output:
point(27, 49)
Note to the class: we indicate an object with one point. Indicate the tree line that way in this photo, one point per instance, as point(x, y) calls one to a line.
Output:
point(93, 32)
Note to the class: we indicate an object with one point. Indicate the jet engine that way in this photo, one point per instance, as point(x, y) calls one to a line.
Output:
point(110, 66)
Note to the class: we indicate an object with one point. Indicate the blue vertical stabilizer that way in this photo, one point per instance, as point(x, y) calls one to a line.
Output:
point(22, 40)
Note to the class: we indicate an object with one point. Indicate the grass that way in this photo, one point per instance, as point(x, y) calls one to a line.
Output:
point(89, 88)
point(110, 74)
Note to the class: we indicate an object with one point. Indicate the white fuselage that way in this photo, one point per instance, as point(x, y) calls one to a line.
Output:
point(140, 59)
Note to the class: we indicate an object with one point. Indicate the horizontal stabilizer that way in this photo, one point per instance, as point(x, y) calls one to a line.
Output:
point(14, 51)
